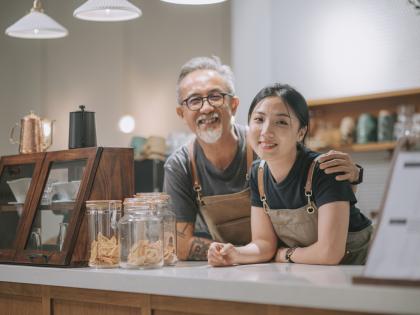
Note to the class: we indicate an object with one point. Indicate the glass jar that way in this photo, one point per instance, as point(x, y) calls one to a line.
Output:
point(103, 216)
point(416, 125)
point(140, 235)
point(162, 204)
point(404, 124)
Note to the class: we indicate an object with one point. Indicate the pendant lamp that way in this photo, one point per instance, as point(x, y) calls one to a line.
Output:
point(196, 2)
point(36, 24)
point(107, 11)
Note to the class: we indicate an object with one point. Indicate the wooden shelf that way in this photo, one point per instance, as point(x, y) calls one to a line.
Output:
point(367, 97)
point(368, 147)
point(11, 207)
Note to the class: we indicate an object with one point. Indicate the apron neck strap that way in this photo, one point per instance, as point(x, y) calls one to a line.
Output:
point(196, 181)
point(308, 185)
point(260, 179)
point(249, 159)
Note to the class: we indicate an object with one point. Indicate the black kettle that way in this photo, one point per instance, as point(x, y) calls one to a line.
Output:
point(82, 132)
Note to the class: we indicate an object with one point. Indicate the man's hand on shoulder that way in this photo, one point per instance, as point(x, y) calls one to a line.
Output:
point(340, 162)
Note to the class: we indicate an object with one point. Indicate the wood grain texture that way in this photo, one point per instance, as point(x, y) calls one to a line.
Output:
point(17, 298)
point(20, 305)
point(113, 180)
point(368, 97)
point(65, 307)
point(36, 159)
point(108, 174)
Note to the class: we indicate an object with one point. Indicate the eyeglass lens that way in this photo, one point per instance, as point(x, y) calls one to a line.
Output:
point(214, 99)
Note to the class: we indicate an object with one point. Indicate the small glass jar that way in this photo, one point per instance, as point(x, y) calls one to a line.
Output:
point(140, 235)
point(103, 216)
point(162, 204)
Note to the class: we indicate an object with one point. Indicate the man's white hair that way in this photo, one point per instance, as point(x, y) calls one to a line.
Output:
point(206, 63)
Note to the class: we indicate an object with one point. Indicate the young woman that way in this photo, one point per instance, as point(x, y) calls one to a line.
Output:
point(299, 213)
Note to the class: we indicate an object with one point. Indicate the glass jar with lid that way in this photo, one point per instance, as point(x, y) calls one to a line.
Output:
point(162, 204)
point(103, 216)
point(140, 235)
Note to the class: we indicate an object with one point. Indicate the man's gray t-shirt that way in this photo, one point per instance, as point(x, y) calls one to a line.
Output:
point(178, 181)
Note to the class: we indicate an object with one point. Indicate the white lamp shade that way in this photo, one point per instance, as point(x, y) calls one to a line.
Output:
point(196, 2)
point(107, 11)
point(36, 25)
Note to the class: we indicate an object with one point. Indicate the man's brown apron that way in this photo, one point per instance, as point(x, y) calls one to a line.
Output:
point(299, 227)
point(227, 216)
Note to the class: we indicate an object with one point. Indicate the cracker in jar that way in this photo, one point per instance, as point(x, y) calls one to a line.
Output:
point(104, 251)
point(144, 253)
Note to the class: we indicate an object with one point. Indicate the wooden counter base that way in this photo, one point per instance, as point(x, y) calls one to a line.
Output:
point(30, 299)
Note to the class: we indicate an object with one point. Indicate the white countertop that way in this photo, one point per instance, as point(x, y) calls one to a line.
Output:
point(325, 287)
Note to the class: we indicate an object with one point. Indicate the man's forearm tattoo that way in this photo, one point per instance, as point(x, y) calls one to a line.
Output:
point(198, 249)
point(182, 233)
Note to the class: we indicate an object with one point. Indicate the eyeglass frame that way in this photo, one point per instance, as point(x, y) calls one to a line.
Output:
point(185, 101)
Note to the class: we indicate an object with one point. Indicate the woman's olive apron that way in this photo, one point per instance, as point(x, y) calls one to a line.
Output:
point(227, 216)
point(299, 227)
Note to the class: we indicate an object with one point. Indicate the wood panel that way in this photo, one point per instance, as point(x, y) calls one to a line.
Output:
point(368, 97)
point(20, 305)
point(99, 296)
point(65, 307)
point(31, 299)
point(166, 305)
point(285, 310)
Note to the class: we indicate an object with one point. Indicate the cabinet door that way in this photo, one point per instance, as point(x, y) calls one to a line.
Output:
point(18, 178)
point(54, 221)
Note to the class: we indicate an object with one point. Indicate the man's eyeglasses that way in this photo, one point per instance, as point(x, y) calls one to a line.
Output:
point(215, 99)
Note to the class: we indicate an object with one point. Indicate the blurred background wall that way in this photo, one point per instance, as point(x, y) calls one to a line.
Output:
point(325, 48)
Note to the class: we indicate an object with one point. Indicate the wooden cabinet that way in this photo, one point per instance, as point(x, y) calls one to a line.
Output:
point(17, 298)
point(333, 111)
point(42, 201)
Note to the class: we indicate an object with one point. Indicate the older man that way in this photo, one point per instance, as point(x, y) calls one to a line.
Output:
point(208, 178)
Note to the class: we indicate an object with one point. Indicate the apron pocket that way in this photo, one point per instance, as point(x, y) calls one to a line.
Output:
point(357, 247)
point(295, 227)
point(236, 231)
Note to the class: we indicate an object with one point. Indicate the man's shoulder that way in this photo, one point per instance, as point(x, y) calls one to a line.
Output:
point(178, 159)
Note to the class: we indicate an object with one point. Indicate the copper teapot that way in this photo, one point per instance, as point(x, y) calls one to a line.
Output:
point(35, 134)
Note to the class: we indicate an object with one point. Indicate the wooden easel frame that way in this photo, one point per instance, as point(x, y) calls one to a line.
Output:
point(404, 144)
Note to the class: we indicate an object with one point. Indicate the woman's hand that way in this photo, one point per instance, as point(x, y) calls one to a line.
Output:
point(339, 162)
point(220, 254)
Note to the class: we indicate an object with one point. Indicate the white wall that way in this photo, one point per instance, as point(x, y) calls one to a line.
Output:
point(327, 49)
point(20, 75)
point(113, 68)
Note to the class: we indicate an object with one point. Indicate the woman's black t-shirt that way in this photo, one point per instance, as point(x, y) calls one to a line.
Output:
point(290, 193)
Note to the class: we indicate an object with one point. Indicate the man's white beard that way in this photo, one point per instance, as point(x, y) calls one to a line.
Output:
point(210, 135)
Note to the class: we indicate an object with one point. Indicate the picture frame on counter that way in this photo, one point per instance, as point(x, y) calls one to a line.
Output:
point(394, 256)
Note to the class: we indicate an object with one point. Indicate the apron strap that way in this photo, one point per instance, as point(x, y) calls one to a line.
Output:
point(263, 198)
point(308, 186)
point(249, 159)
point(196, 181)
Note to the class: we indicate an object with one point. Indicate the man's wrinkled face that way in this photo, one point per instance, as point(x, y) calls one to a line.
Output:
point(209, 123)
